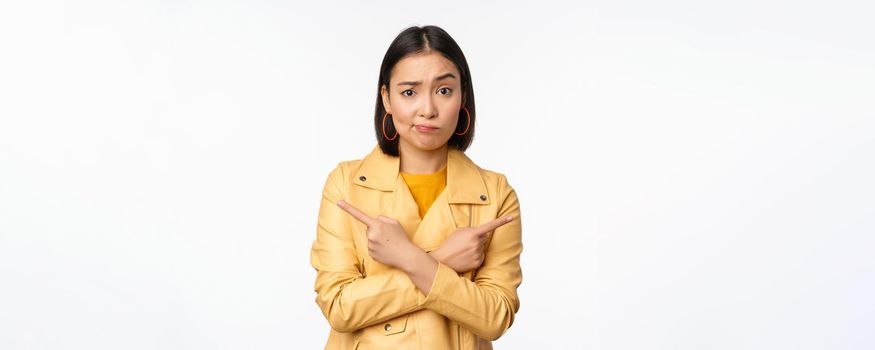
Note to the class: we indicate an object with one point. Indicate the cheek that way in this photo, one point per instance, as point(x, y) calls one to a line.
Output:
point(401, 121)
point(452, 118)
point(401, 114)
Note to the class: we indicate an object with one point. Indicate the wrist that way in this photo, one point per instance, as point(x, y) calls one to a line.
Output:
point(437, 254)
point(418, 260)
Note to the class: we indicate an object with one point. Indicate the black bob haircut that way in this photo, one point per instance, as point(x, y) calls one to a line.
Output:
point(415, 40)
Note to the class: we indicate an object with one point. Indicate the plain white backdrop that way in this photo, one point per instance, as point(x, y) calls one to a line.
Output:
point(692, 175)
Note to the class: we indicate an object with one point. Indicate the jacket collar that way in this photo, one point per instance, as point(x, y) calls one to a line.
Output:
point(464, 182)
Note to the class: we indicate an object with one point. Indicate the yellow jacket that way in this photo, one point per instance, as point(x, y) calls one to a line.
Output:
point(374, 306)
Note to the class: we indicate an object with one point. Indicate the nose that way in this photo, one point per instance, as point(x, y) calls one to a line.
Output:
point(427, 109)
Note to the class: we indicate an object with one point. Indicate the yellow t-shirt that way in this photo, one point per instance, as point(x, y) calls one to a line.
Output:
point(426, 187)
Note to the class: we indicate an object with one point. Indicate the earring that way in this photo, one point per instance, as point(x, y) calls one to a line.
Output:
point(384, 129)
point(469, 122)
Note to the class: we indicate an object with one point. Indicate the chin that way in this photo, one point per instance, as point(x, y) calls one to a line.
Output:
point(428, 146)
point(433, 146)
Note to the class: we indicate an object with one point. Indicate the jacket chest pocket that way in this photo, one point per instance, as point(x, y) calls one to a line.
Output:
point(393, 326)
point(385, 335)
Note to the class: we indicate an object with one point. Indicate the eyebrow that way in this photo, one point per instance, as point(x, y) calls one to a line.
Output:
point(442, 77)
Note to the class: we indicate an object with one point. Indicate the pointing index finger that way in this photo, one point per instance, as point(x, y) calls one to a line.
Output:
point(356, 213)
point(494, 224)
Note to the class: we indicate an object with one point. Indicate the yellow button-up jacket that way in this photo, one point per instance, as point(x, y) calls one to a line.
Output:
point(370, 305)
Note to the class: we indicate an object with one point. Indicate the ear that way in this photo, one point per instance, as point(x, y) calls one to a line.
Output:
point(385, 94)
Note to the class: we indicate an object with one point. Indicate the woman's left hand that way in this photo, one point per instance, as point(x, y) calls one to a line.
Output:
point(387, 241)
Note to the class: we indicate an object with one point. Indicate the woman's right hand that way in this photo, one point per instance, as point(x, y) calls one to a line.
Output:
point(465, 248)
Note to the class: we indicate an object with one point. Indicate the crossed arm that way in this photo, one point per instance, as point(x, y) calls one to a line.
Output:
point(351, 301)
point(388, 243)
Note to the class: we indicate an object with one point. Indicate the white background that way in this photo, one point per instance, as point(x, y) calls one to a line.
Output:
point(692, 175)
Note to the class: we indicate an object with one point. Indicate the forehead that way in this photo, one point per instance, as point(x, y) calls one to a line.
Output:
point(422, 67)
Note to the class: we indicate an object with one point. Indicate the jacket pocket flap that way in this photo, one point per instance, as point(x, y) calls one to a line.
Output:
point(395, 325)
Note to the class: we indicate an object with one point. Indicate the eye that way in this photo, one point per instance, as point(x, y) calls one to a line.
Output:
point(446, 89)
point(405, 92)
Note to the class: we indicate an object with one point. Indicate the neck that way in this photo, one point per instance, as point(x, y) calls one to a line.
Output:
point(418, 161)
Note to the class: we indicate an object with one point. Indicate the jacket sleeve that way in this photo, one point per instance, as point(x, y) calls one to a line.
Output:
point(487, 305)
point(348, 299)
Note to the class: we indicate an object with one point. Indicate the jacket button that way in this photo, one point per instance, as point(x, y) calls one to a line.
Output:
point(387, 327)
point(482, 197)
point(362, 178)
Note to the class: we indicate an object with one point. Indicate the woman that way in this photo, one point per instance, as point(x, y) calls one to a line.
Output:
point(416, 246)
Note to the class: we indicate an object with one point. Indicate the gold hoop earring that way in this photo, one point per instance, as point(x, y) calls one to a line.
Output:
point(468, 124)
point(384, 129)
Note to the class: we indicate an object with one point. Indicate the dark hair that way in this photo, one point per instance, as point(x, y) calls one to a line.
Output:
point(416, 40)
